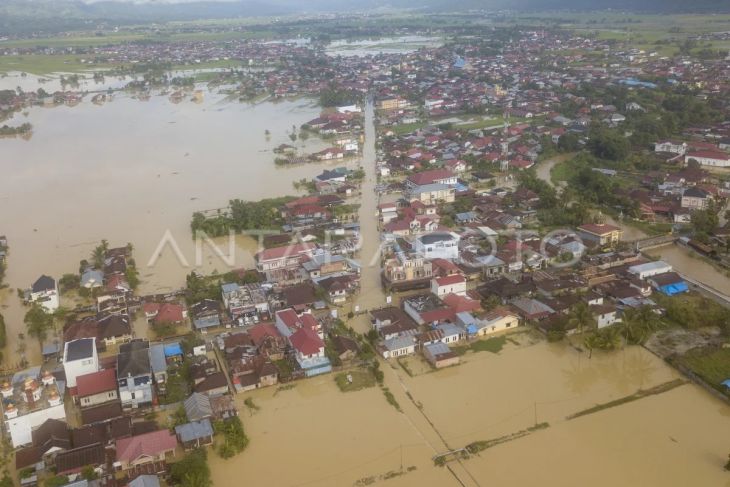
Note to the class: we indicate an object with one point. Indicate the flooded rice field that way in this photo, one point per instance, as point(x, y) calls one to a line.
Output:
point(134, 171)
point(386, 45)
point(327, 437)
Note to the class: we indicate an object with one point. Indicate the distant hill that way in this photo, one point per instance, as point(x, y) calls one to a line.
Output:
point(58, 15)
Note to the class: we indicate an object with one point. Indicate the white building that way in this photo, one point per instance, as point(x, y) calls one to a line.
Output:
point(79, 358)
point(45, 292)
point(709, 158)
point(349, 109)
point(438, 245)
point(454, 284)
point(28, 401)
point(642, 271)
point(399, 346)
point(670, 146)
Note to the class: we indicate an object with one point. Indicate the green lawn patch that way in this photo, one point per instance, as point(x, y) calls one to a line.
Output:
point(493, 345)
point(560, 172)
point(361, 379)
point(712, 365)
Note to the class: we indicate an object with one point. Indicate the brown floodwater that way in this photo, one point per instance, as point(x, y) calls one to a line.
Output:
point(371, 293)
point(316, 435)
point(132, 171)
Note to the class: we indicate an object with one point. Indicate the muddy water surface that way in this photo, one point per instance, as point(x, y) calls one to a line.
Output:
point(131, 171)
point(677, 438)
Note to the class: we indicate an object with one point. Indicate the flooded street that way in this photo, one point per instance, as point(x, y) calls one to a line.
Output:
point(132, 171)
point(358, 435)
point(371, 292)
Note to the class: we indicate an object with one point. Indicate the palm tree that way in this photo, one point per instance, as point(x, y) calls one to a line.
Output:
point(581, 317)
point(639, 323)
point(603, 339)
point(99, 254)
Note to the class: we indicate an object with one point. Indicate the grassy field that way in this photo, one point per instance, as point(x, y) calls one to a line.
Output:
point(86, 40)
point(361, 379)
point(712, 366)
point(404, 128)
point(42, 64)
point(493, 345)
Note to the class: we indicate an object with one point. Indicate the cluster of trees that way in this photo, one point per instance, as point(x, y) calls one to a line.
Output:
point(636, 326)
point(243, 216)
point(695, 313)
point(608, 144)
point(199, 288)
point(704, 222)
point(38, 322)
point(192, 470)
point(334, 97)
point(22, 129)
point(234, 438)
point(554, 210)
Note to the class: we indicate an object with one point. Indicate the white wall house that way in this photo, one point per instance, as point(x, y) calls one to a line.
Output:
point(438, 245)
point(28, 402)
point(45, 292)
point(454, 284)
point(709, 158)
point(79, 358)
point(670, 146)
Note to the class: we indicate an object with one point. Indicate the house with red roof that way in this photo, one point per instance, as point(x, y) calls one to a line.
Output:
point(460, 304)
point(287, 322)
point(146, 453)
point(307, 344)
point(434, 176)
point(600, 234)
point(164, 312)
point(97, 388)
point(285, 257)
point(714, 158)
point(310, 355)
point(453, 284)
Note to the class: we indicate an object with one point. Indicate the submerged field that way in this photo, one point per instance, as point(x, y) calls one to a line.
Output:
point(327, 437)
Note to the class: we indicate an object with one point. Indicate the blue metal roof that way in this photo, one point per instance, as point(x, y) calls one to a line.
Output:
point(173, 349)
point(194, 430)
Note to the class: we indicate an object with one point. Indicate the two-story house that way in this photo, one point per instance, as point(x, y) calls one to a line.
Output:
point(134, 375)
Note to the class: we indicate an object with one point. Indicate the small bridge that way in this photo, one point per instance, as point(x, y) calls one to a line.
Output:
point(647, 243)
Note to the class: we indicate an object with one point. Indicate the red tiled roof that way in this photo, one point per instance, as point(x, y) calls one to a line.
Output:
point(170, 313)
point(428, 177)
point(286, 250)
point(720, 156)
point(261, 331)
point(461, 303)
point(96, 382)
point(449, 280)
point(306, 341)
point(151, 444)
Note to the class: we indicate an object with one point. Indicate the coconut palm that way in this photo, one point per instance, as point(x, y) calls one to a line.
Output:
point(99, 254)
point(581, 317)
point(603, 339)
point(639, 323)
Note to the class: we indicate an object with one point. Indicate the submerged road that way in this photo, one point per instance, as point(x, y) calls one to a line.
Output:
point(371, 292)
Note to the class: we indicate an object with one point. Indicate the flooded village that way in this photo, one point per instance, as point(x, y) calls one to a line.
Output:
point(418, 260)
